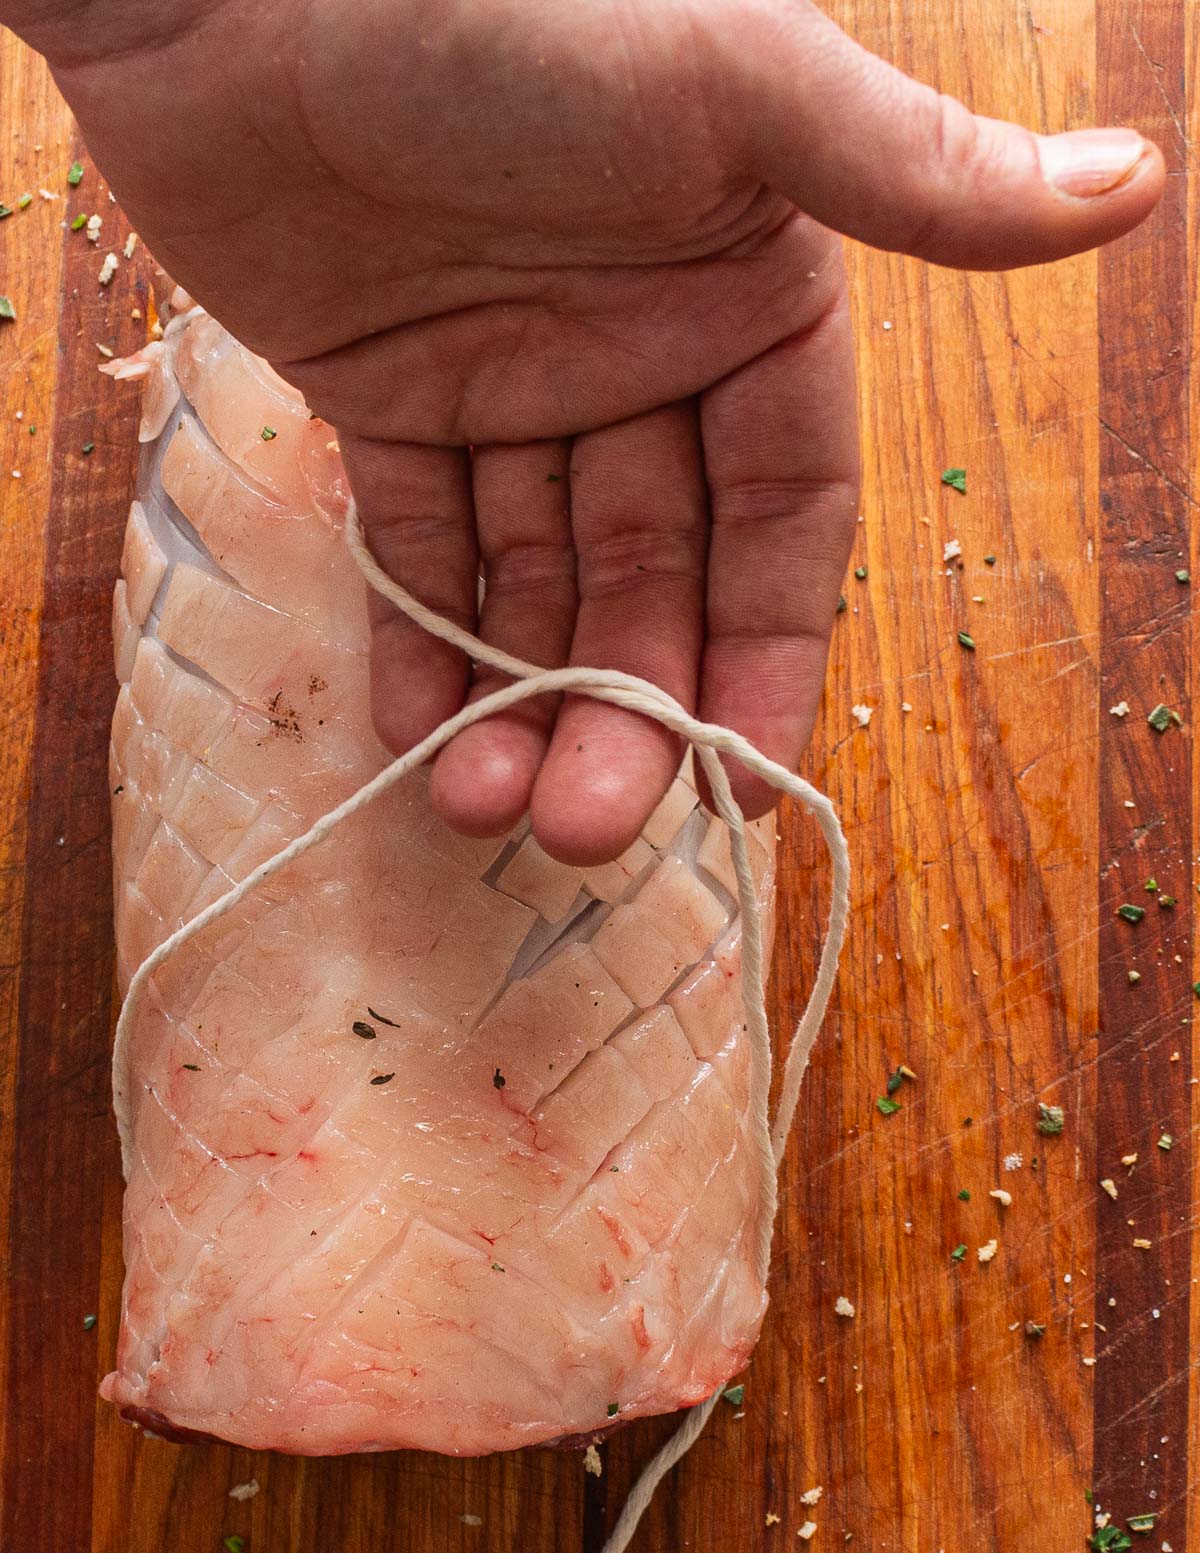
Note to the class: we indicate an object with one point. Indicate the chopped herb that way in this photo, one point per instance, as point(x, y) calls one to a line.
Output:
point(496, 1268)
point(1133, 977)
point(965, 639)
point(1152, 885)
point(958, 1254)
point(5, 210)
point(989, 560)
point(1050, 1120)
point(1131, 913)
point(967, 1120)
point(7, 310)
point(1109, 1539)
point(25, 201)
point(268, 433)
point(498, 1079)
point(1089, 1496)
point(192, 1067)
point(887, 1107)
point(381, 1018)
point(894, 1081)
point(1166, 902)
point(553, 479)
point(33, 431)
point(79, 222)
point(964, 1195)
point(735, 1395)
point(1143, 1522)
point(957, 478)
point(1166, 1143)
point(1161, 718)
point(234, 1544)
point(613, 1409)
point(860, 572)
point(88, 1323)
point(842, 606)
point(1183, 575)
point(383, 1078)
point(362, 1028)
point(1196, 988)
point(87, 448)
point(120, 788)
point(75, 176)
point(1034, 1329)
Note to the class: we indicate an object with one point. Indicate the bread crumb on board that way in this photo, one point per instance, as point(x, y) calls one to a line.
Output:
point(843, 1307)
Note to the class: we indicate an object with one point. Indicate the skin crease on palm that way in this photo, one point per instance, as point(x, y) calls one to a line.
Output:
point(566, 280)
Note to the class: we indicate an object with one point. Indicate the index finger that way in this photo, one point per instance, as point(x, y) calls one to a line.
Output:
point(781, 457)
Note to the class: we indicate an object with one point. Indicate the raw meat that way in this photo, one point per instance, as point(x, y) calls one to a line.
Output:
point(436, 1142)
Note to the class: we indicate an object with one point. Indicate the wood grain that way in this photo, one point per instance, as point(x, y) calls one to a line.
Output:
point(986, 806)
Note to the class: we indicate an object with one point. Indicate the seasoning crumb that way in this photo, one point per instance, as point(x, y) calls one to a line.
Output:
point(843, 1307)
point(1013, 1161)
point(1129, 1159)
point(592, 1462)
point(1166, 1143)
point(1141, 1244)
point(951, 550)
point(811, 1496)
point(1002, 1197)
point(988, 1251)
point(1120, 710)
point(1034, 1329)
point(772, 1518)
point(1133, 977)
point(1110, 1186)
point(131, 243)
point(94, 223)
point(861, 714)
point(471, 1520)
point(1050, 1120)
point(243, 1491)
point(808, 1531)
point(89, 1321)
point(108, 269)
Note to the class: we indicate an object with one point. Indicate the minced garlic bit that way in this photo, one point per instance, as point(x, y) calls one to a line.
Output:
point(906, 706)
point(1120, 710)
point(986, 1253)
point(773, 1519)
point(812, 1496)
point(1002, 1197)
point(1142, 1245)
point(1110, 1186)
point(94, 223)
point(108, 269)
point(861, 715)
point(808, 1531)
point(843, 1307)
point(104, 351)
point(952, 550)
point(131, 243)
point(592, 1462)
point(243, 1491)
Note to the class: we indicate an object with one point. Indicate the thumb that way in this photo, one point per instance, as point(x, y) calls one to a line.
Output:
point(865, 150)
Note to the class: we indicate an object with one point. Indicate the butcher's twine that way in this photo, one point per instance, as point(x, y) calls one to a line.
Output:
point(710, 740)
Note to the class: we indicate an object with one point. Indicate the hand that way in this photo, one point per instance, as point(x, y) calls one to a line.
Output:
point(562, 276)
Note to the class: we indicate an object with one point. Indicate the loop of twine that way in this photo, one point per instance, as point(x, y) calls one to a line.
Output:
point(710, 740)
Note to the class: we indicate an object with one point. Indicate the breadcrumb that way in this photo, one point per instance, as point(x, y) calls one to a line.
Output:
point(986, 1253)
point(861, 715)
point(1002, 1197)
point(592, 1462)
point(843, 1307)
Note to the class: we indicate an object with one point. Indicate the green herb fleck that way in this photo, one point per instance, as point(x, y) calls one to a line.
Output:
point(5, 210)
point(79, 221)
point(234, 1544)
point(87, 448)
point(613, 1409)
point(964, 1195)
point(1161, 718)
point(1089, 1496)
point(842, 606)
point(268, 433)
point(88, 1323)
point(965, 639)
point(1109, 1539)
point(1166, 902)
point(1166, 1143)
point(383, 1078)
point(1034, 1329)
point(957, 478)
point(989, 560)
point(33, 431)
point(735, 1395)
point(1196, 988)
point(861, 573)
point(1131, 913)
point(25, 201)
point(958, 1254)
point(7, 310)
point(1050, 1120)
point(192, 1067)
point(363, 1029)
point(1152, 885)
point(1142, 1523)
point(1183, 575)
point(553, 479)
point(894, 1081)
point(75, 176)
point(887, 1107)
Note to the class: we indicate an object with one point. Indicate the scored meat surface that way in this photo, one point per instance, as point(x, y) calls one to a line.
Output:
point(435, 1142)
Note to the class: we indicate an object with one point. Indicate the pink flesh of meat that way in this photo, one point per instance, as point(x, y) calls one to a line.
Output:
point(321, 1263)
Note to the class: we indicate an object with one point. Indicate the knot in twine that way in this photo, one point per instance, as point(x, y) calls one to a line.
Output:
point(710, 741)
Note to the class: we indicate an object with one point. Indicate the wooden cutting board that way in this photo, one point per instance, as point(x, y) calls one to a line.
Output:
point(998, 813)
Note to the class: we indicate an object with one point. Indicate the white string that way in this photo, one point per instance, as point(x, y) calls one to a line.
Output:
point(710, 741)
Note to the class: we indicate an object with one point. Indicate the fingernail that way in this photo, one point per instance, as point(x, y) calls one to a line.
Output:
point(1088, 162)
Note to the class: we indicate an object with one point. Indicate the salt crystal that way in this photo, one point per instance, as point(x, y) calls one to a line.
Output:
point(1013, 1161)
point(862, 715)
point(808, 1531)
point(843, 1307)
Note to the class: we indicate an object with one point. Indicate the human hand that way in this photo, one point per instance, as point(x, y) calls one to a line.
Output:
point(564, 279)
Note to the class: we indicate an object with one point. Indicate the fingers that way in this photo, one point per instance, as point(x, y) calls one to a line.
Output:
point(781, 450)
point(415, 505)
point(640, 520)
point(869, 152)
point(483, 779)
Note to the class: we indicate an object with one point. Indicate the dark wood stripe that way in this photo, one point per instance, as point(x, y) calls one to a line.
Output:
point(1141, 1414)
point(61, 1137)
